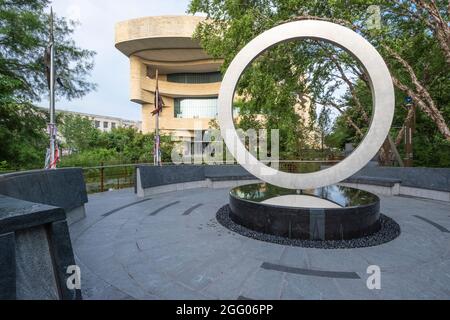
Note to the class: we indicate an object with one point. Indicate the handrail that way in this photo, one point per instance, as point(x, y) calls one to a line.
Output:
point(171, 163)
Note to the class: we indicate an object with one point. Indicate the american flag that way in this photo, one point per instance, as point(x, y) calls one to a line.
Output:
point(52, 156)
point(48, 163)
point(159, 104)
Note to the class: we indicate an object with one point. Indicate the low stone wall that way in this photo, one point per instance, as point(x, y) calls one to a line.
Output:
point(153, 180)
point(35, 247)
point(437, 179)
point(35, 252)
point(64, 188)
point(429, 183)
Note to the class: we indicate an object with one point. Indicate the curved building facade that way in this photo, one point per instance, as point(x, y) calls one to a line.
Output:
point(189, 80)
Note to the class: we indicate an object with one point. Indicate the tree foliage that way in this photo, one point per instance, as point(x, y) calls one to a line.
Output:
point(24, 30)
point(22, 136)
point(413, 39)
point(91, 147)
point(78, 132)
point(24, 35)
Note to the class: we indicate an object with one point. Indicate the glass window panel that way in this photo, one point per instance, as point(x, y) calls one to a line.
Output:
point(208, 77)
point(195, 107)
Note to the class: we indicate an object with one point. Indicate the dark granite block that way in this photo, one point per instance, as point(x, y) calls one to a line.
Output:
point(358, 217)
point(317, 224)
point(422, 178)
point(62, 253)
point(35, 274)
point(226, 172)
point(377, 181)
point(63, 188)
point(18, 214)
point(7, 266)
point(38, 241)
point(153, 176)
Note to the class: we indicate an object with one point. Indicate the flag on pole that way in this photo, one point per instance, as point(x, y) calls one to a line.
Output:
point(49, 163)
point(157, 151)
point(52, 156)
point(159, 104)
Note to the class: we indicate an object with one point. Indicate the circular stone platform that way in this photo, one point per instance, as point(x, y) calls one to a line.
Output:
point(389, 230)
point(170, 246)
point(328, 213)
point(292, 200)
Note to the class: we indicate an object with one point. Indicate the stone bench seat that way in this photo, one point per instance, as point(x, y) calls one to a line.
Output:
point(428, 183)
point(376, 181)
point(35, 251)
point(36, 208)
point(153, 180)
point(63, 188)
point(229, 177)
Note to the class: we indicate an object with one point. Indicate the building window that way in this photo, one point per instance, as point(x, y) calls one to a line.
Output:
point(113, 125)
point(208, 77)
point(97, 124)
point(195, 107)
point(105, 124)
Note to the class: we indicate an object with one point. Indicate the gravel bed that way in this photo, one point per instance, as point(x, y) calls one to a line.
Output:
point(388, 232)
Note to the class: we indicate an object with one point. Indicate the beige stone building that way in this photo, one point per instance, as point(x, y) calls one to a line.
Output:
point(189, 80)
point(106, 123)
point(102, 122)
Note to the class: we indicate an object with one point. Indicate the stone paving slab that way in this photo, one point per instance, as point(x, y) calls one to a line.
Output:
point(127, 251)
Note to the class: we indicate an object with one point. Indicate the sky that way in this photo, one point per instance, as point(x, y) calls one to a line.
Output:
point(95, 31)
point(97, 19)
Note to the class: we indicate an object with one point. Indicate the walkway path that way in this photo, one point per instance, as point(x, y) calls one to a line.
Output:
point(171, 247)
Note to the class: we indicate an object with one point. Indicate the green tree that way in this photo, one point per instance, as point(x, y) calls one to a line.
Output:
point(24, 31)
point(414, 40)
point(24, 35)
point(22, 136)
point(79, 133)
point(91, 147)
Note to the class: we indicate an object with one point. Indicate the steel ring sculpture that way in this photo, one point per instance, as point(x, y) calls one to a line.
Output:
point(382, 96)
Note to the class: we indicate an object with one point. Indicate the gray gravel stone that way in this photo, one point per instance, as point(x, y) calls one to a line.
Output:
point(388, 232)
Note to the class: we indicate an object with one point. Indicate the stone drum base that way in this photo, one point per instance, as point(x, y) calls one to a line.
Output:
point(337, 213)
point(389, 230)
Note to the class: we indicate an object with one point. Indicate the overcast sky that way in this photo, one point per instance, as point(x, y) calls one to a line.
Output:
point(96, 32)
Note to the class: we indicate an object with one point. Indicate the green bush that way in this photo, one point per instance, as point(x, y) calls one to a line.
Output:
point(90, 158)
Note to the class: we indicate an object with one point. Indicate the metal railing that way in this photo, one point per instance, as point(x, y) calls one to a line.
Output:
point(106, 177)
point(119, 176)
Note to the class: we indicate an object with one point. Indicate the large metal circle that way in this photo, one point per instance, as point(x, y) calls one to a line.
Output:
point(382, 93)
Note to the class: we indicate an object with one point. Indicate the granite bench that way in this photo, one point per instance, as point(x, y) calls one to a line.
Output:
point(36, 208)
point(429, 183)
point(153, 180)
point(35, 252)
point(64, 188)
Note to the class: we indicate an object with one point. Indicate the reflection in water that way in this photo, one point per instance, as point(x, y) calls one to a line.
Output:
point(344, 196)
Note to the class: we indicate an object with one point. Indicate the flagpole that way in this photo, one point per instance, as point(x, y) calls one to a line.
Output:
point(157, 159)
point(52, 95)
point(52, 155)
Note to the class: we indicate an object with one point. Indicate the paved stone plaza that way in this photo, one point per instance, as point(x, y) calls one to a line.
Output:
point(170, 246)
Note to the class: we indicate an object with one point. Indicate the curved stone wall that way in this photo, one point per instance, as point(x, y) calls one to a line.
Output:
point(152, 180)
point(415, 177)
point(64, 188)
point(35, 247)
point(350, 220)
point(429, 183)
